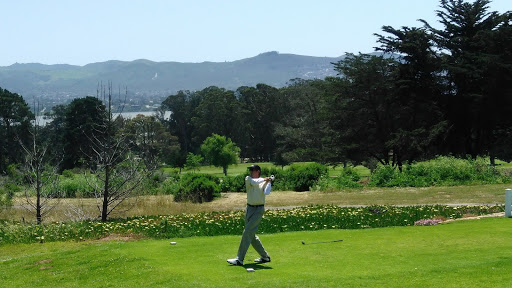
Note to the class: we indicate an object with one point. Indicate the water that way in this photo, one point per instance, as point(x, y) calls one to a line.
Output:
point(44, 120)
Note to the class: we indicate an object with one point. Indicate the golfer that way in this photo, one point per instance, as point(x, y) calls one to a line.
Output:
point(256, 190)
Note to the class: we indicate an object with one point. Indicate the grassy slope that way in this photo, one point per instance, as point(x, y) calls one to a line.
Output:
point(473, 253)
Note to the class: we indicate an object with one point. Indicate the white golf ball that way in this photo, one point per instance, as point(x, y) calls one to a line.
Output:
point(250, 270)
point(173, 243)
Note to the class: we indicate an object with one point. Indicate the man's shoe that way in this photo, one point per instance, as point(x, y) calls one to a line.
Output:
point(235, 262)
point(262, 260)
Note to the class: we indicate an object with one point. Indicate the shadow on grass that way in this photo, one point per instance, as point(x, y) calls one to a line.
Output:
point(254, 266)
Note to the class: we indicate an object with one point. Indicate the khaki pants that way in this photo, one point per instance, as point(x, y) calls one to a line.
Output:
point(253, 217)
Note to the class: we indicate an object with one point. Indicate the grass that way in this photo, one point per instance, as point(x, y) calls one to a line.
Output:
point(241, 168)
point(360, 170)
point(502, 165)
point(233, 170)
point(364, 172)
point(238, 169)
point(310, 218)
point(71, 209)
point(471, 253)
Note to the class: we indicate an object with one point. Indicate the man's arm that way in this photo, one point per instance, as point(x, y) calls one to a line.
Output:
point(256, 181)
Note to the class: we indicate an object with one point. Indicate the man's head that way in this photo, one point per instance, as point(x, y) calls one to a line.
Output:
point(255, 171)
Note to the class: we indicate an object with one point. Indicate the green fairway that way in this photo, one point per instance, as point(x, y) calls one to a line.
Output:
point(471, 253)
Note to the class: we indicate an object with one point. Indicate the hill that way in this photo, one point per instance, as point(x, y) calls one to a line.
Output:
point(145, 78)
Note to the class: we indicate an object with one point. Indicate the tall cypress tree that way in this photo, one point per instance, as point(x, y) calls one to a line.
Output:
point(475, 69)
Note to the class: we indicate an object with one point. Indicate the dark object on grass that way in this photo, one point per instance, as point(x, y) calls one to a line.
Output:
point(304, 243)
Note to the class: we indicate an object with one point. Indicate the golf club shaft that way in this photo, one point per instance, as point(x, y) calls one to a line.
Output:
point(323, 242)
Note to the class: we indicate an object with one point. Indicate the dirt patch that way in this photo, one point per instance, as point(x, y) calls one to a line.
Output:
point(45, 261)
point(473, 217)
point(42, 262)
point(122, 237)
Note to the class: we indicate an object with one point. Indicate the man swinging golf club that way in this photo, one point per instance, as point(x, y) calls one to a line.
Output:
point(257, 188)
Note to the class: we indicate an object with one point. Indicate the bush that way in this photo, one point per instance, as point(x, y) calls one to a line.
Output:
point(442, 170)
point(7, 192)
point(281, 175)
point(302, 177)
point(233, 183)
point(197, 188)
point(76, 185)
point(68, 174)
point(170, 186)
point(153, 185)
point(349, 179)
point(326, 183)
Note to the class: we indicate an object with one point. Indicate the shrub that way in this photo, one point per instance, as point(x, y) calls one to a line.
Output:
point(349, 178)
point(382, 176)
point(76, 186)
point(233, 183)
point(68, 174)
point(6, 194)
point(152, 185)
point(442, 170)
point(197, 188)
point(281, 175)
point(326, 183)
point(302, 177)
point(170, 186)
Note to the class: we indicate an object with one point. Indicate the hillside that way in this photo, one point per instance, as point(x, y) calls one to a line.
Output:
point(145, 78)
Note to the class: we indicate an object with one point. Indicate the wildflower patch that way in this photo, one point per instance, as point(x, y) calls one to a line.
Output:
point(308, 218)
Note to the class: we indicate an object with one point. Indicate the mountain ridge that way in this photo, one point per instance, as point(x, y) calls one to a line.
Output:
point(150, 79)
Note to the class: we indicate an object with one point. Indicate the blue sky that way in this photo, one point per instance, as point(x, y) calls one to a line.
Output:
point(79, 32)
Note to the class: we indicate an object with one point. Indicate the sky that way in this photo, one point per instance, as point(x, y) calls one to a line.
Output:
point(79, 32)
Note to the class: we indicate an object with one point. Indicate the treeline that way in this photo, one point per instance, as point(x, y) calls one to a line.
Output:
point(430, 91)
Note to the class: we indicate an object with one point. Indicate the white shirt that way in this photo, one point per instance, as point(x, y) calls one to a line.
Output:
point(256, 190)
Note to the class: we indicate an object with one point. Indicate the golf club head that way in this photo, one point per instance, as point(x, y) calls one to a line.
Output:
point(303, 243)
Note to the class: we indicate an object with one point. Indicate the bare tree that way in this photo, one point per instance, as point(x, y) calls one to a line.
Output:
point(117, 171)
point(40, 176)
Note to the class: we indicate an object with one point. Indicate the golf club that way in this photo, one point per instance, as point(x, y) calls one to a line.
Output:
point(304, 243)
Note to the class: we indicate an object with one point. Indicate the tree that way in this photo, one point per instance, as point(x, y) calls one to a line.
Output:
point(193, 162)
point(183, 108)
point(418, 85)
point(15, 117)
point(261, 107)
point(218, 112)
point(220, 151)
point(117, 171)
point(148, 139)
point(83, 117)
point(361, 110)
point(302, 132)
point(54, 133)
point(474, 45)
point(41, 176)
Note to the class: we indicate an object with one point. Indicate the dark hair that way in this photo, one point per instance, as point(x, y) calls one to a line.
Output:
point(254, 168)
